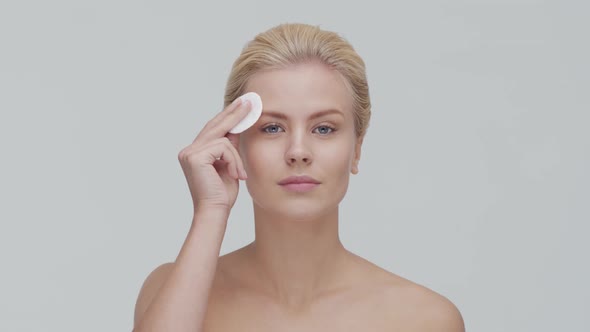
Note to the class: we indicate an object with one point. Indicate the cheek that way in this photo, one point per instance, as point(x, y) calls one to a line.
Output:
point(257, 156)
point(338, 155)
point(261, 162)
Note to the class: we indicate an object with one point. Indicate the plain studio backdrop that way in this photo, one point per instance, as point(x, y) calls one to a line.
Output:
point(473, 179)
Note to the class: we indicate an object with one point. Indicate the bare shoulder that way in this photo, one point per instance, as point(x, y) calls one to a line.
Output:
point(409, 306)
point(426, 309)
point(423, 309)
point(150, 288)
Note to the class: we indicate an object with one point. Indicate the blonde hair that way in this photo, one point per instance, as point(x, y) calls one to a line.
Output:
point(295, 43)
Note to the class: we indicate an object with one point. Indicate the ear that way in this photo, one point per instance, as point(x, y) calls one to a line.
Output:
point(357, 155)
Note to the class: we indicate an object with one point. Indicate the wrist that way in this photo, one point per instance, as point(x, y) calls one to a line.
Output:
point(211, 212)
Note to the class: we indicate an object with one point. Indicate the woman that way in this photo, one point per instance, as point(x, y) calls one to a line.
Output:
point(296, 275)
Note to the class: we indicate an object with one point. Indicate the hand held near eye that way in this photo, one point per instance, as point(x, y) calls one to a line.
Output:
point(212, 164)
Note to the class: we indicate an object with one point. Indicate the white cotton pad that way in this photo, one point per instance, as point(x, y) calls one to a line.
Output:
point(254, 114)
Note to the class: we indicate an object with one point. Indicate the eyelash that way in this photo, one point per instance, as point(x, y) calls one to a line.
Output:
point(264, 129)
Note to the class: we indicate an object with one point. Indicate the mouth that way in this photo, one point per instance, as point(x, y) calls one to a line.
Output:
point(300, 187)
point(301, 183)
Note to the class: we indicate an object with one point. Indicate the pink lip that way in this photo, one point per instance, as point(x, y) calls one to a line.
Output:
point(301, 183)
point(300, 187)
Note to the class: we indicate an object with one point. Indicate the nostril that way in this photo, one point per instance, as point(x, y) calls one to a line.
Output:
point(299, 159)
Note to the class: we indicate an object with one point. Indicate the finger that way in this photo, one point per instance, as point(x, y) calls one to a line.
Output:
point(234, 139)
point(239, 164)
point(226, 154)
point(214, 153)
point(221, 167)
point(234, 166)
point(219, 117)
point(228, 121)
point(229, 109)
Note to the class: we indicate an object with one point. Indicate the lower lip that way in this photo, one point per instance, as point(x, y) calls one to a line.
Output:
point(299, 187)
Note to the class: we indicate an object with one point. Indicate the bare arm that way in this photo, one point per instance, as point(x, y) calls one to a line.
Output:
point(174, 296)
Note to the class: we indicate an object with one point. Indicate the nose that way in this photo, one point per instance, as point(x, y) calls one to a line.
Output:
point(298, 152)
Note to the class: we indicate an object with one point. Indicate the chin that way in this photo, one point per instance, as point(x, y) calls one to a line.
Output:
point(303, 211)
point(298, 208)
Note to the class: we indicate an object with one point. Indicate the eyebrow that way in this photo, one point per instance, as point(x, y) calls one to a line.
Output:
point(319, 114)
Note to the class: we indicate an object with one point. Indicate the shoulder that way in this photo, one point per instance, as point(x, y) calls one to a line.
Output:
point(423, 309)
point(150, 287)
point(435, 312)
point(405, 305)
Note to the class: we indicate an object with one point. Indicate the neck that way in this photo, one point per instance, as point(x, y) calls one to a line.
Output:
point(297, 260)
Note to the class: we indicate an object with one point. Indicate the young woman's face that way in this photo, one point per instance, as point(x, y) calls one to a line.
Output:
point(306, 129)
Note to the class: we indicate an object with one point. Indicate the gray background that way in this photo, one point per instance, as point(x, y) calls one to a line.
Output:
point(473, 179)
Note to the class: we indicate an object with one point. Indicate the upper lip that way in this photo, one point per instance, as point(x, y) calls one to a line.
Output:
point(298, 179)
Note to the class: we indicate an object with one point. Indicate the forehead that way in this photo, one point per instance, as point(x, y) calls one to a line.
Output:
point(302, 90)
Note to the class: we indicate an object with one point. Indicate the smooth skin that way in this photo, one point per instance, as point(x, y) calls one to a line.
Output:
point(296, 275)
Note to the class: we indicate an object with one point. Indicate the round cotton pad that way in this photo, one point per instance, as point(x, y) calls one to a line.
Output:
point(254, 114)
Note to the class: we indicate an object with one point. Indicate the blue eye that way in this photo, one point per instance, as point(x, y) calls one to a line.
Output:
point(271, 129)
point(326, 130)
